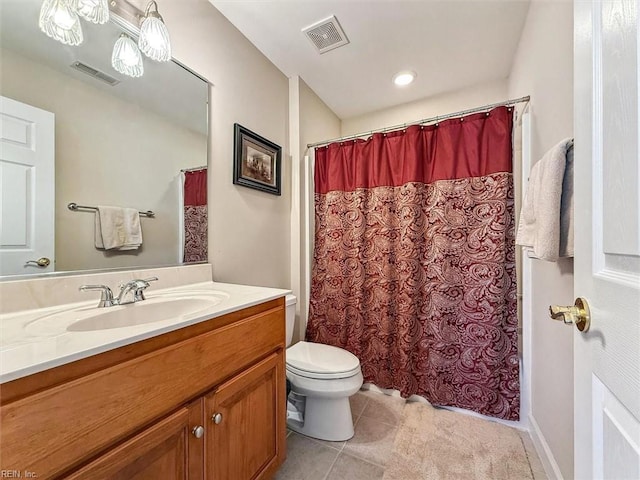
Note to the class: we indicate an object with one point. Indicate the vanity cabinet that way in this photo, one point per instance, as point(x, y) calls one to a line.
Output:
point(245, 437)
point(134, 412)
point(167, 450)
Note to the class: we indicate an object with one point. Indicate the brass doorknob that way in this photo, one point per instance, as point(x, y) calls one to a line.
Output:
point(41, 262)
point(578, 314)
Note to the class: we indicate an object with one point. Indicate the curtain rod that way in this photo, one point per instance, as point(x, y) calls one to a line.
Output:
point(420, 122)
point(193, 169)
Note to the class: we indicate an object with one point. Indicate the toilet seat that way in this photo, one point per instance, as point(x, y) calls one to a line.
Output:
point(323, 376)
point(319, 361)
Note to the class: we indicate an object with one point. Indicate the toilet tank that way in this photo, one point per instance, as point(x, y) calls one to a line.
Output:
point(290, 316)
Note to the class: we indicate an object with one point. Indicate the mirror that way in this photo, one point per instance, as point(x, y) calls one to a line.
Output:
point(122, 144)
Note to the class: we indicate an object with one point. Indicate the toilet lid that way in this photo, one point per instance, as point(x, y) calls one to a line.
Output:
point(317, 360)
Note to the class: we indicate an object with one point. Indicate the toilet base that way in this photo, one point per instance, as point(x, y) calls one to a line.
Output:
point(325, 419)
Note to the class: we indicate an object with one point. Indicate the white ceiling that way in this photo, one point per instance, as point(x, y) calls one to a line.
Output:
point(451, 44)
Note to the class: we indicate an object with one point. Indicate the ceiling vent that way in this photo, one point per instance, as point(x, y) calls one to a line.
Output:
point(92, 72)
point(326, 34)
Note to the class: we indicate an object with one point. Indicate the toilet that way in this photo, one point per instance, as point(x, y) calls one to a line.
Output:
point(322, 378)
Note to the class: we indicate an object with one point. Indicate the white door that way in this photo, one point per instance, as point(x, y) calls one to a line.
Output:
point(607, 239)
point(27, 188)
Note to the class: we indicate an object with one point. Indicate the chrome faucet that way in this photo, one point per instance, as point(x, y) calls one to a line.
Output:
point(106, 296)
point(136, 287)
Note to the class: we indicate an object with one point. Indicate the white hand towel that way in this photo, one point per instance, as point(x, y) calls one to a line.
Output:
point(117, 228)
point(546, 218)
point(566, 208)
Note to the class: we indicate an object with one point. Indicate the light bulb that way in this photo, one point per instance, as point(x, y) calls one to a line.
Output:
point(402, 79)
point(60, 22)
point(126, 57)
point(94, 11)
point(154, 39)
point(63, 19)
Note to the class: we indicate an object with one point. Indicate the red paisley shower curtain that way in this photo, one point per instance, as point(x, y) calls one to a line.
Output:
point(414, 261)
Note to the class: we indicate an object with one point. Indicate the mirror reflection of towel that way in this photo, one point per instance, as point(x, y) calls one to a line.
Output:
point(117, 228)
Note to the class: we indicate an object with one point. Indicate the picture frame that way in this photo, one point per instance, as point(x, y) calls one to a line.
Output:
point(256, 161)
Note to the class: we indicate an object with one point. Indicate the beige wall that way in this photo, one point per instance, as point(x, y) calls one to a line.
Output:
point(317, 122)
point(249, 231)
point(124, 156)
point(456, 101)
point(543, 68)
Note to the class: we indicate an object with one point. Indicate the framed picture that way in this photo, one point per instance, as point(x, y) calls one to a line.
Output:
point(256, 161)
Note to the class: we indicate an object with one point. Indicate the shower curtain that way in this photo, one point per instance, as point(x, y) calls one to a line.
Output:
point(195, 216)
point(414, 260)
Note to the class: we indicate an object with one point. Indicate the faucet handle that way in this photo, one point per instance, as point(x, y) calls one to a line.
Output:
point(106, 296)
point(139, 286)
point(136, 287)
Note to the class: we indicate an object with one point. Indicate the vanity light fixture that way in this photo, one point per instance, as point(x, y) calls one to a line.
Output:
point(154, 39)
point(61, 22)
point(94, 11)
point(404, 78)
point(126, 57)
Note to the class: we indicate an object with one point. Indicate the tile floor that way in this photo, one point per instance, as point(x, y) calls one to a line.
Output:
point(376, 418)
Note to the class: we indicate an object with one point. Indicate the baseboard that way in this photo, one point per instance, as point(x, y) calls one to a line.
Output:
point(551, 468)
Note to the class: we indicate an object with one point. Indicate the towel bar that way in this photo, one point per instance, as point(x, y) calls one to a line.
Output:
point(75, 207)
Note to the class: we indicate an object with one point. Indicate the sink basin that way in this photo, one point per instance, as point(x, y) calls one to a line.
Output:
point(156, 309)
point(140, 313)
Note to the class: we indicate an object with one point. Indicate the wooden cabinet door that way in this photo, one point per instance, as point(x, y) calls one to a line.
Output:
point(167, 450)
point(245, 420)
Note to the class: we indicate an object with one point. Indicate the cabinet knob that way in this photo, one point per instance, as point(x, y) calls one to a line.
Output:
point(217, 418)
point(198, 431)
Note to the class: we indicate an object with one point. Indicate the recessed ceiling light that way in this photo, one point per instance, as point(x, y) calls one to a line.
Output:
point(404, 78)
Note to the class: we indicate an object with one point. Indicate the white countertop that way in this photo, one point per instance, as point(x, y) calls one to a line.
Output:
point(36, 340)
